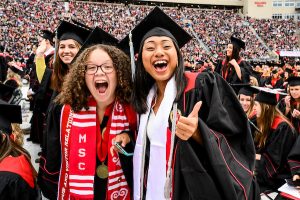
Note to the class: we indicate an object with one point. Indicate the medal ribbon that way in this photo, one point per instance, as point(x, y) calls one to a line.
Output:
point(102, 136)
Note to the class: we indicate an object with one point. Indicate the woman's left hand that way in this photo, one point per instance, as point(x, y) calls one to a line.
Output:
point(295, 178)
point(296, 113)
point(187, 127)
point(233, 62)
point(123, 139)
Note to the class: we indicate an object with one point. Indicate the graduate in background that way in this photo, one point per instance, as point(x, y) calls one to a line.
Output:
point(234, 69)
point(95, 115)
point(246, 97)
point(274, 81)
point(273, 143)
point(183, 145)
point(294, 161)
point(70, 38)
point(290, 105)
point(17, 175)
point(39, 93)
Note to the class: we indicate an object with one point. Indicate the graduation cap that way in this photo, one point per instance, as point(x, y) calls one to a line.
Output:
point(289, 71)
point(247, 91)
point(15, 68)
point(9, 113)
point(6, 91)
point(293, 81)
point(97, 36)
point(156, 23)
point(238, 42)
point(48, 35)
point(67, 30)
point(275, 71)
point(267, 95)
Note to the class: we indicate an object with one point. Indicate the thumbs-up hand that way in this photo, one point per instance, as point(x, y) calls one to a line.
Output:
point(187, 127)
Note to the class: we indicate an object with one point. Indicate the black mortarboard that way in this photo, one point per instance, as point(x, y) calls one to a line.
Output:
point(288, 70)
point(98, 36)
point(15, 68)
point(156, 23)
point(248, 91)
point(237, 42)
point(267, 95)
point(9, 113)
point(293, 81)
point(6, 91)
point(275, 71)
point(48, 35)
point(67, 30)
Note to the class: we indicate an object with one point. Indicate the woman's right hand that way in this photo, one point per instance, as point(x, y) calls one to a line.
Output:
point(40, 51)
point(287, 101)
point(296, 177)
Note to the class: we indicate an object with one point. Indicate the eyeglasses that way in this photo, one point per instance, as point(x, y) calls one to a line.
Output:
point(92, 69)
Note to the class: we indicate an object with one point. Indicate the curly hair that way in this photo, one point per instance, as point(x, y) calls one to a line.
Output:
point(74, 90)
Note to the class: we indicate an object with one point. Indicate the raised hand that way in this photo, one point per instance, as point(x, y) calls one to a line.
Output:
point(187, 127)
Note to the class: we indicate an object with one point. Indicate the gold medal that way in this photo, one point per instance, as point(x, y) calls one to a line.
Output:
point(102, 171)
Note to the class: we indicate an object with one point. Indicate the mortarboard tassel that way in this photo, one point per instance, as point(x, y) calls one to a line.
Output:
point(168, 183)
point(132, 56)
point(55, 46)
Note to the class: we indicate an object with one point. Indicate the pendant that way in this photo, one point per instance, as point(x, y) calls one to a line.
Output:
point(102, 171)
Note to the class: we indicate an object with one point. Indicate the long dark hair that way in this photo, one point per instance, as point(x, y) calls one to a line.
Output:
point(60, 70)
point(143, 81)
point(235, 55)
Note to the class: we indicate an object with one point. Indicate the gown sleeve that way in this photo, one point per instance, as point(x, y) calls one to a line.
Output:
point(50, 162)
point(294, 158)
point(224, 163)
point(14, 187)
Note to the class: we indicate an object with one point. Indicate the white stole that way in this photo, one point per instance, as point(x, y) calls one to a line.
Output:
point(157, 162)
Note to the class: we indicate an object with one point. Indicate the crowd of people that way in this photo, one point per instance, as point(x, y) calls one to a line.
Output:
point(120, 112)
point(21, 21)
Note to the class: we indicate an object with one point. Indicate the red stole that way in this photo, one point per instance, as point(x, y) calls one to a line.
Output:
point(277, 121)
point(18, 165)
point(225, 72)
point(78, 138)
point(274, 81)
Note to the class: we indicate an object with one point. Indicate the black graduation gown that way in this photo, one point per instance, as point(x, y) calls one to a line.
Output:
point(272, 168)
point(17, 183)
point(49, 168)
point(50, 161)
point(13, 187)
point(220, 168)
point(278, 84)
point(294, 158)
point(3, 68)
point(41, 102)
point(295, 121)
point(232, 77)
